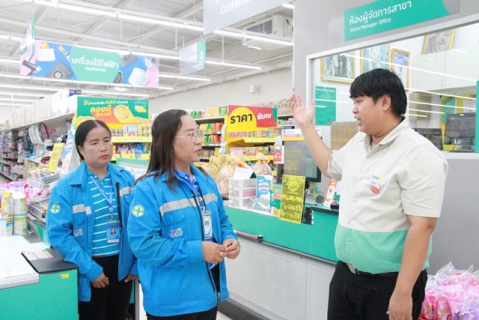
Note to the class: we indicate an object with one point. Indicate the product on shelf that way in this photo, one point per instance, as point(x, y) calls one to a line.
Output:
point(227, 171)
point(212, 167)
point(261, 166)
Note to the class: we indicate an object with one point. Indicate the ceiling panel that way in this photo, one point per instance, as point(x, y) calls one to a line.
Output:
point(101, 31)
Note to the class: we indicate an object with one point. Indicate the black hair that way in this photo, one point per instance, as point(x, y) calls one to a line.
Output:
point(162, 154)
point(83, 129)
point(377, 83)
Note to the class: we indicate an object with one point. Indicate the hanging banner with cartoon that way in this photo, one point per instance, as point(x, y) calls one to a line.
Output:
point(62, 61)
point(292, 200)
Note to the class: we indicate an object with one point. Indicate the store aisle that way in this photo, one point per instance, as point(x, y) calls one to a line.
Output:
point(143, 314)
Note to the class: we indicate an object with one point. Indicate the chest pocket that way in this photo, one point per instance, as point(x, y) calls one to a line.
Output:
point(173, 217)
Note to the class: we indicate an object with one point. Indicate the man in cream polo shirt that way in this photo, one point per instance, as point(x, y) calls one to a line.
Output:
point(392, 189)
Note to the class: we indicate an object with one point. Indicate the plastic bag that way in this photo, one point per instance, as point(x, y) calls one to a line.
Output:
point(227, 171)
point(211, 167)
point(261, 167)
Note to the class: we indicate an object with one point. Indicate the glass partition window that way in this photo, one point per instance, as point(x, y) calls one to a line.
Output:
point(439, 72)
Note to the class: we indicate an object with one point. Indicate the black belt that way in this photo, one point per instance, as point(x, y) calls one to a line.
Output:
point(362, 273)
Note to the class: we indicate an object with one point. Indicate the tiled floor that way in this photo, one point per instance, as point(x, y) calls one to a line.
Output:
point(220, 316)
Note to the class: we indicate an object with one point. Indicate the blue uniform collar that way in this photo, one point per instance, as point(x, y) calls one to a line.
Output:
point(199, 175)
point(81, 178)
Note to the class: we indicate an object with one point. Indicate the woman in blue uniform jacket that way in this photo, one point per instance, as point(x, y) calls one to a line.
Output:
point(84, 207)
point(178, 227)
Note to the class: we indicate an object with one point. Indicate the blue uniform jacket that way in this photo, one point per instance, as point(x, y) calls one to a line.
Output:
point(165, 232)
point(70, 224)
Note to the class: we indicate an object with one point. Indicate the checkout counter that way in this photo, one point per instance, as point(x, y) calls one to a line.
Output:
point(284, 269)
point(37, 283)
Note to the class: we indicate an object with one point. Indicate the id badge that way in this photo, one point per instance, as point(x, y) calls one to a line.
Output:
point(113, 231)
point(207, 224)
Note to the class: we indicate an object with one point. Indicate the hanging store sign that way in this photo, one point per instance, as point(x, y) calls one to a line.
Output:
point(386, 15)
point(62, 61)
point(192, 58)
point(116, 113)
point(251, 118)
point(218, 14)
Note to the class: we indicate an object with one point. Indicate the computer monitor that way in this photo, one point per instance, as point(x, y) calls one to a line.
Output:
point(299, 162)
point(432, 134)
point(460, 129)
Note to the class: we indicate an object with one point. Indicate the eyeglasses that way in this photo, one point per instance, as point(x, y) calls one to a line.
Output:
point(193, 135)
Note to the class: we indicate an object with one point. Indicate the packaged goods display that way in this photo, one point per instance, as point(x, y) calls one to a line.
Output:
point(452, 294)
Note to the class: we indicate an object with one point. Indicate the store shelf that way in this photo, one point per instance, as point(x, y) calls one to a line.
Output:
point(131, 156)
point(210, 120)
point(36, 160)
point(254, 158)
point(293, 138)
point(52, 122)
point(212, 145)
point(214, 132)
point(135, 139)
point(252, 140)
point(9, 177)
point(285, 116)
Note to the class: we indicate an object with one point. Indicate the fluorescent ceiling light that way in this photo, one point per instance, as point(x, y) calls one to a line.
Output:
point(10, 61)
point(2, 36)
point(45, 3)
point(172, 76)
point(148, 20)
point(13, 105)
point(22, 94)
point(15, 38)
point(86, 10)
point(229, 33)
point(19, 100)
point(117, 93)
point(160, 22)
point(193, 27)
point(277, 41)
point(14, 76)
point(256, 48)
point(253, 37)
point(20, 87)
point(236, 65)
point(288, 5)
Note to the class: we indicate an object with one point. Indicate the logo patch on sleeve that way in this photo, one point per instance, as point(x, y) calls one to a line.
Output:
point(138, 211)
point(55, 208)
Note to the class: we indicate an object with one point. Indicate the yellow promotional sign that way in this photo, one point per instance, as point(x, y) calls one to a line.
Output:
point(55, 157)
point(245, 118)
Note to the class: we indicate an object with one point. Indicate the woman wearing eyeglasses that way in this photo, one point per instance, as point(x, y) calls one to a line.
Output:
point(178, 228)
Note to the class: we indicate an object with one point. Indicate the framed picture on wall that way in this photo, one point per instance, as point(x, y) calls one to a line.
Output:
point(400, 65)
point(438, 41)
point(339, 67)
point(374, 57)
